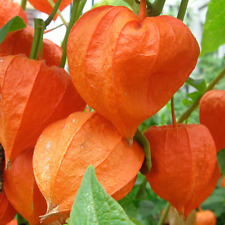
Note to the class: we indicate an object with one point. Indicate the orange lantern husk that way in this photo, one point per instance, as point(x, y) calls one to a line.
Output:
point(7, 212)
point(33, 96)
point(126, 67)
point(211, 114)
point(206, 217)
point(45, 6)
point(22, 191)
point(222, 183)
point(10, 9)
point(184, 169)
point(21, 42)
point(66, 148)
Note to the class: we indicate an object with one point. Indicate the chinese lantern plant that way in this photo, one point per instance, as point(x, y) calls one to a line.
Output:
point(184, 165)
point(22, 191)
point(21, 42)
point(46, 7)
point(7, 212)
point(66, 148)
point(10, 9)
point(33, 95)
point(127, 67)
point(211, 114)
point(205, 217)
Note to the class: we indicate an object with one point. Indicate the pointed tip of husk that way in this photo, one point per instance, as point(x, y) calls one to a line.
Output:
point(49, 213)
point(8, 164)
point(130, 141)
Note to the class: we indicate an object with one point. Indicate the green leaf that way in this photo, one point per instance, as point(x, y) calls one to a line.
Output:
point(143, 142)
point(199, 84)
point(16, 23)
point(93, 206)
point(214, 27)
point(221, 160)
point(129, 206)
point(194, 95)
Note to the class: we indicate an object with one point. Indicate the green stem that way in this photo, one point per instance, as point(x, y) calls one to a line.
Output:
point(143, 142)
point(155, 9)
point(39, 26)
point(59, 13)
point(54, 11)
point(76, 12)
point(163, 217)
point(192, 107)
point(23, 4)
point(54, 28)
point(182, 9)
point(173, 112)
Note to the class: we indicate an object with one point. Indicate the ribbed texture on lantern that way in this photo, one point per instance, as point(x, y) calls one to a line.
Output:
point(212, 115)
point(184, 164)
point(127, 69)
point(33, 96)
point(65, 150)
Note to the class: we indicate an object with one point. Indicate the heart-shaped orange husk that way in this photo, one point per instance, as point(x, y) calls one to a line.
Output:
point(7, 212)
point(33, 96)
point(22, 191)
point(127, 69)
point(206, 217)
point(10, 9)
point(184, 169)
point(66, 148)
point(212, 115)
point(44, 5)
point(21, 42)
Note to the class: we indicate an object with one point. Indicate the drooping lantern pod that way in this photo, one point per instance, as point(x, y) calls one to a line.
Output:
point(21, 42)
point(33, 96)
point(10, 9)
point(22, 191)
point(206, 217)
point(66, 148)
point(7, 212)
point(184, 169)
point(127, 67)
point(46, 7)
point(212, 115)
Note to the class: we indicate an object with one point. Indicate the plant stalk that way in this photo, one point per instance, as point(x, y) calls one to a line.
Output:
point(23, 4)
point(54, 28)
point(163, 217)
point(193, 106)
point(182, 9)
point(58, 12)
point(155, 9)
point(142, 10)
point(173, 112)
point(39, 26)
point(76, 12)
point(54, 11)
